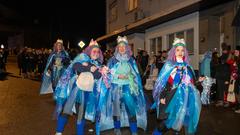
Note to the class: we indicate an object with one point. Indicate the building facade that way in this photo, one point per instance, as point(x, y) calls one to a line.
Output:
point(152, 25)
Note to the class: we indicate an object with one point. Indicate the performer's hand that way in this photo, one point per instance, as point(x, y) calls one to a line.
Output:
point(85, 64)
point(163, 101)
point(104, 69)
point(93, 68)
point(201, 79)
point(49, 71)
point(226, 82)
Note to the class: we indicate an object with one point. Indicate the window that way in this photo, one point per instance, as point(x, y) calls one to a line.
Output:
point(155, 45)
point(190, 41)
point(180, 34)
point(159, 44)
point(113, 11)
point(132, 4)
point(188, 35)
point(170, 40)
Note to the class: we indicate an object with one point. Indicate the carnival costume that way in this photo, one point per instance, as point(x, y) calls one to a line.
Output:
point(205, 71)
point(124, 101)
point(57, 63)
point(77, 90)
point(175, 84)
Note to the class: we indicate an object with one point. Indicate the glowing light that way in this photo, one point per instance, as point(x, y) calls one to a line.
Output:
point(2, 46)
point(81, 44)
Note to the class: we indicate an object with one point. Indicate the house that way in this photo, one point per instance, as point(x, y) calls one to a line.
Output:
point(152, 25)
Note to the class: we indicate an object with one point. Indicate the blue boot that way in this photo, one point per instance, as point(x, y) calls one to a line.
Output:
point(156, 132)
point(133, 128)
point(97, 126)
point(117, 126)
point(80, 127)
point(61, 122)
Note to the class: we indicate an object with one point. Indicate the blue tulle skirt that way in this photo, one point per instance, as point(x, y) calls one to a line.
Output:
point(118, 101)
point(56, 74)
point(184, 109)
point(77, 96)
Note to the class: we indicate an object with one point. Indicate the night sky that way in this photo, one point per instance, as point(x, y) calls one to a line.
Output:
point(72, 20)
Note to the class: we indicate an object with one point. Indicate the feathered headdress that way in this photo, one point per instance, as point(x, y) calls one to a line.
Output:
point(179, 42)
point(122, 40)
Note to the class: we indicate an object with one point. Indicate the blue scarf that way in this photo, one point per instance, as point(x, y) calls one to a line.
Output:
point(122, 57)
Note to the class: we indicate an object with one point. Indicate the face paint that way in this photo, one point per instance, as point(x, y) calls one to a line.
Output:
point(95, 53)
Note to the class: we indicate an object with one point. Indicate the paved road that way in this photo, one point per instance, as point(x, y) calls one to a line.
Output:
point(24, 112)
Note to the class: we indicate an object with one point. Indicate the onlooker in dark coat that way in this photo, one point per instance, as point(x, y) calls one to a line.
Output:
point(213, 66)
point(25, 61)
point(2, 63)
point(214, 63)
point(222, 76)
point(159, 61)
point(5, 55)
point(40, 63)
point(139, 60)
point(144, 61)
point(19, 61)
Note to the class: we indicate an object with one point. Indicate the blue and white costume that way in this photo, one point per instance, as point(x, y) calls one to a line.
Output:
point(205, 71)
point(123, 103)
point(57, 63)
point(205, 95)
point(71, 98)
point(175, 84)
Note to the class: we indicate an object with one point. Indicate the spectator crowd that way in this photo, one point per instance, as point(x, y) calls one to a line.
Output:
point(224, 69)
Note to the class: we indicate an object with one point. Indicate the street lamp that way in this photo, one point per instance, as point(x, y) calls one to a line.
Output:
point(2, 46)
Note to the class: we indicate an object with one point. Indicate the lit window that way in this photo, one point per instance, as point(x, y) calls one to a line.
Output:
point(155, 45)
point(188, 35)
point(132, 4)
